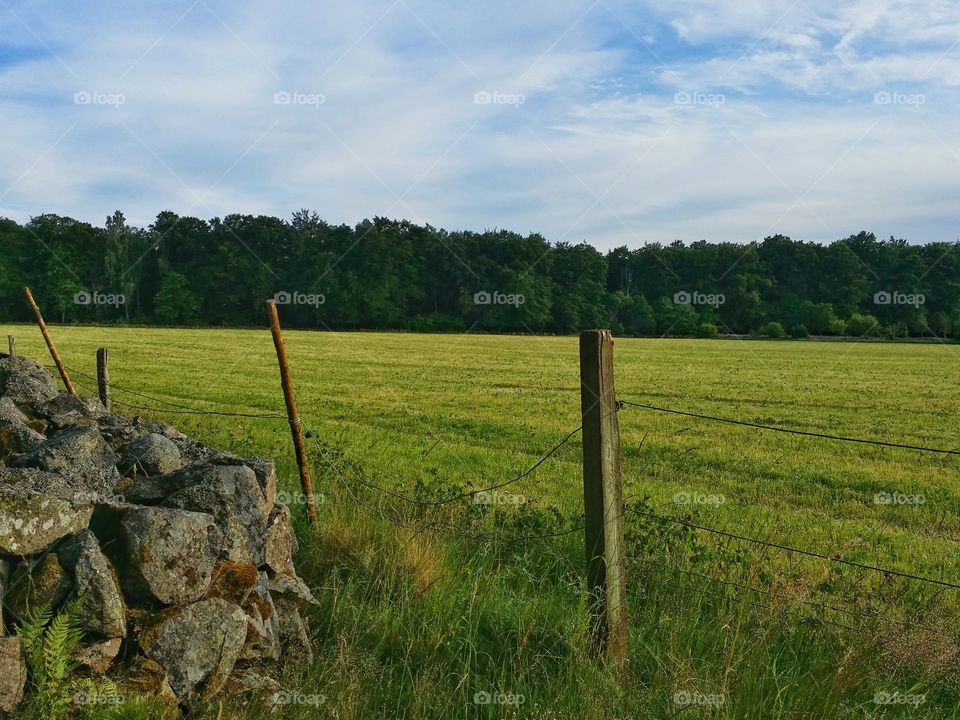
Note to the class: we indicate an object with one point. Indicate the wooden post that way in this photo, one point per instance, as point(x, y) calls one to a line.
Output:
point(603, 496)
point(289, 397)
point(50, 346)
point(12, 345)
point(103, 377)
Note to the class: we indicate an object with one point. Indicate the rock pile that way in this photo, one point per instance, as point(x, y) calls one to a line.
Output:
point(180, 556)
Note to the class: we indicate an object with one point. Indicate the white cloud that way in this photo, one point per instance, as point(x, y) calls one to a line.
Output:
point(199, 131)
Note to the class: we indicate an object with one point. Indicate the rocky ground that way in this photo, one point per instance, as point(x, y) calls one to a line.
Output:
point(180, 556)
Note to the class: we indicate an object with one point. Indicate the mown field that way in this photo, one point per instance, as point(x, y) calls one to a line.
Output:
point(417, 622)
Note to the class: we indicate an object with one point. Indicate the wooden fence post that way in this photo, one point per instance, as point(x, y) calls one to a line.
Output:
point(603, 496)
point(12, 345)
point(289, 397)
point(50, 346)
point(103, 377)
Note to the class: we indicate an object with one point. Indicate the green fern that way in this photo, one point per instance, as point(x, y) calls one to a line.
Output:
point(50, 642)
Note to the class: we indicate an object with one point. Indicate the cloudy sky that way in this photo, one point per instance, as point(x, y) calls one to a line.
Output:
point(619, 123)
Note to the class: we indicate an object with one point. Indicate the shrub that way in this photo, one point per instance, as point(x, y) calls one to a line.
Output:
point(773, 330)
point(863, 325)
point(799, 332)
point(707, 330)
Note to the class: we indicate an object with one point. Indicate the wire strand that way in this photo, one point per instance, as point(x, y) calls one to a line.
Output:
point(788, 430)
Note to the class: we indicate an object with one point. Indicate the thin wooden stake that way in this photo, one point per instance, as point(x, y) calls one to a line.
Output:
point(289, 397)
point(603, 497)
point(50, 346)
point(12, 345)
point(103, 377)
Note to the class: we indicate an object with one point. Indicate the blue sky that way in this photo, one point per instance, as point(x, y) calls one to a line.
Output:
point(619, 123)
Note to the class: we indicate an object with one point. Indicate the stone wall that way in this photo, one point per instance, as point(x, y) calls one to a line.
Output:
point(180, 556)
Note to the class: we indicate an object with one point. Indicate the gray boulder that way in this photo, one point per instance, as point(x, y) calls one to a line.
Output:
point(232, 495)
point(25, 381)
point(266, 472)
point(197, 646)
point(165, 555)
point(80, 452)
point(294, 634)
point(13, 673)
point(31, 521)
point(66, 409)
point(152, 454)
point(280, 542)
point(34, 584)
point(96, 585)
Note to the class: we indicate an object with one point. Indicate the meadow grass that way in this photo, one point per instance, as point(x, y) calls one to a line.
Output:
point(416, 622)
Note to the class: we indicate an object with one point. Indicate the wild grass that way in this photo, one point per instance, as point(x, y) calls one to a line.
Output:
point(418, 621)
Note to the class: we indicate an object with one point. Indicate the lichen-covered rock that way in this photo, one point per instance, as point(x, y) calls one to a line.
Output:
point(263, 627)
point(266, 472)
point(36, 583)
point(102, 610)
point(80, 452)
point(232, 495)
point(99, 656)
point(66, 409)
point(166, 554)
point(280, 542)
point(4, 584)
point(13, 673)
point(197, 646)
point(152, 454)
point(294, 634)
point(293, 588)
point(144, 676)
point(32, 521)
point(17, 438)
point(25, 381)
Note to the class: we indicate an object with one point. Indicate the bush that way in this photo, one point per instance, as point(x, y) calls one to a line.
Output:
point(773, 330)
point(707, 330)
point(863, 325)
point(799, 332)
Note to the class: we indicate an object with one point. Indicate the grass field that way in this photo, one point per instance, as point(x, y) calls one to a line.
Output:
point(415, 624)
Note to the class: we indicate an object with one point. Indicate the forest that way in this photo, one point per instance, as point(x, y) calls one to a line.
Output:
point(393, 274)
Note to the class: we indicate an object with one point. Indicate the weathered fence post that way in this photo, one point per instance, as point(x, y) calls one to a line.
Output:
point(289, 397)
point(103, 377)
point(603, 496)
point(12, 346)
point(50, 346)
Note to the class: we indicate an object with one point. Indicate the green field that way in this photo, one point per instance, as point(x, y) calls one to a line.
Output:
point(416, 623)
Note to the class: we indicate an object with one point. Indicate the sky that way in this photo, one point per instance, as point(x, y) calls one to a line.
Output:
point(617, 123)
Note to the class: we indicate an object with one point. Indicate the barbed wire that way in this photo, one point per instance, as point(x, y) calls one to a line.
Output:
point(181, 409)
point(787, 548)
point(789, 431)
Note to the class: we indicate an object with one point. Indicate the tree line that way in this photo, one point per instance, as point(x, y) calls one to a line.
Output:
point(391, 274)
